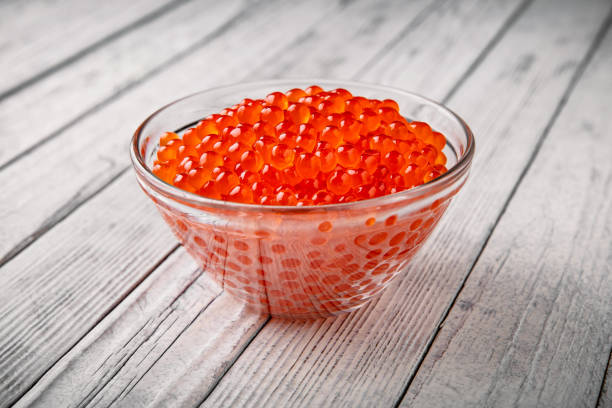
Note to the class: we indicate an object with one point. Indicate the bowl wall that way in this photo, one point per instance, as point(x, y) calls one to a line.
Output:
point(303, 261)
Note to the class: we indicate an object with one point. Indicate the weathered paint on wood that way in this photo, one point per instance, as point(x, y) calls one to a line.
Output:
point(127, 372)
point(176, 319)
point(367, 358)
point(80, 166)
point(333, 361)
point(77, 274)
point(342, 44)
point(60, 101)
point(533, 324)
point(82, 299)
point(37, 36)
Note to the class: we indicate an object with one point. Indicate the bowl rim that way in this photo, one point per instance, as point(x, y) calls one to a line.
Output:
point(411, 194)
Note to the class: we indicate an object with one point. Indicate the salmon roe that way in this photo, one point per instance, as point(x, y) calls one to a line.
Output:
point(302, 147)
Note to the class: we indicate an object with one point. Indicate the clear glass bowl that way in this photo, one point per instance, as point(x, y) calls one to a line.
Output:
point(312, 261)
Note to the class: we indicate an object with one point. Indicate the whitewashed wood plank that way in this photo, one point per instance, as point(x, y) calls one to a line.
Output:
point(533, 324)
point(149, 319)
point(140, 337)
point(81, 271)
point(412, 63)
point(344, 44)
point(31, 338)
point(87, 156)
point(367, 358)
point(186, 374)
point(46, 390)
point(36, 36)
point(58, 101)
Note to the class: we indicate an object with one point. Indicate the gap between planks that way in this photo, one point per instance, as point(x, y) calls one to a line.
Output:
point(470, 70)
point(176, 26)
point(262, 11)
point(585, 42)
point(79, 53)
point(579, 115)
point(604, 399)
point(562, 103)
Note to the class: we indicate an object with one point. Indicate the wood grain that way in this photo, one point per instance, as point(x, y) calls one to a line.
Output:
point(47, 390)
point(368, 357)
point(99, 263)
point(81, 270)
point(343, 44)
point(58, 101)
point(38, 36)
point(361, 358)
point(533, 324)
point(80, 166)
point(139, 338)
point(411, 62)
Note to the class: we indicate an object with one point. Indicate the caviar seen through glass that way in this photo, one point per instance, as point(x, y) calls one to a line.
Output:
point(302, 147)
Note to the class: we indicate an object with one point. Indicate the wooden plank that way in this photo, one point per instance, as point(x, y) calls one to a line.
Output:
point(67, 371)
point(199, 357)
point(58, 101)
point(101, 240)
point(81, 165)
point(74, 375)
point(47, 34)
point(412, 63)
point(367, 358)
point(344, 44)
point(533, 324)
point(139, 337)
point(48, 302)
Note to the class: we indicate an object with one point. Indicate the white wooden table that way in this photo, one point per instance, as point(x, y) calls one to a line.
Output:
point(508, 304)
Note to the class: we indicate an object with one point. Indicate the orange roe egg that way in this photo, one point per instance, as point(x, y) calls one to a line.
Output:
point(306, 138)
point(307, 165)
point(197, 177)
point(166, 137)
point(281, 156)
point(272, 115)
point(339, 182)
point(295, 94)
point(278, 99)
point(331, 135)
point(313, 90)
point(348, 156)
point(252, 161)
point(165, 171)
point(181, 181)
point(240, 194)
point(370, 120)
point(327, 156)
point(169, 151)
point(192, 137)
point(303, 147)
point(210, 160)
point(299, 113)
point(226, 180)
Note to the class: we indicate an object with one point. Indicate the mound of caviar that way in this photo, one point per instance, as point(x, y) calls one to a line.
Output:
point(302, 147)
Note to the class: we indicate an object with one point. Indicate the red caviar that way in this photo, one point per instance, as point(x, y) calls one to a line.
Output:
point(302, 147)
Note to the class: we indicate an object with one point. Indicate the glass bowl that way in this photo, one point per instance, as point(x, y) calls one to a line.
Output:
point(312, 261)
